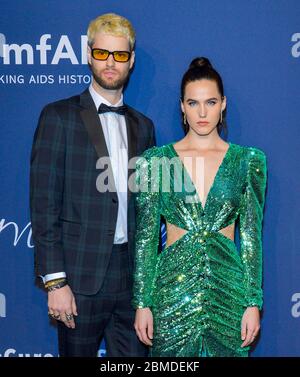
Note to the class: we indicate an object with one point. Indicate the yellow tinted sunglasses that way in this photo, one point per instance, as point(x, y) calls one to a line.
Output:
point(119, 56)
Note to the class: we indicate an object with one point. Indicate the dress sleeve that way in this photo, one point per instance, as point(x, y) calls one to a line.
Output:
point(147, 230)
point(251, 217)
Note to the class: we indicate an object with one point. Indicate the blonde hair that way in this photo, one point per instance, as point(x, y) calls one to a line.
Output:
point(112, 24)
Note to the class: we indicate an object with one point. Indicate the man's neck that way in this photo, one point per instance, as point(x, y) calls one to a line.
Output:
point(112, 96)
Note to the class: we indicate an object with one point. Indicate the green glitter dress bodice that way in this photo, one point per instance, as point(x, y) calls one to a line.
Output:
point(199, 287)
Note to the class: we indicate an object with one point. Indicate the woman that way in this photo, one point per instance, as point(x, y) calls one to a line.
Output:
point(200, 296)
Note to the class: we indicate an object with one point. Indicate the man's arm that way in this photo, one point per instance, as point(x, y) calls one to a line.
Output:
point(47, 172)
point(152, 140)
point(46, 190)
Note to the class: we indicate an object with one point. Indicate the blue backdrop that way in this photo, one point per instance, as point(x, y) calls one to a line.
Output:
point(256, 47)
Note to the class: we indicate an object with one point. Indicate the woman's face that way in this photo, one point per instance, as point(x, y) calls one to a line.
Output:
point(202, 105)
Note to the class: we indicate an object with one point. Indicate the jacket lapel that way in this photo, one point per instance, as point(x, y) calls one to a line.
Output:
point(91, 121)
point(132, 137)
point(90, 118)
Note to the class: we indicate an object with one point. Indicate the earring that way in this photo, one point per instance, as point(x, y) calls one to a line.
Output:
point(221, 117)
point(184, 118)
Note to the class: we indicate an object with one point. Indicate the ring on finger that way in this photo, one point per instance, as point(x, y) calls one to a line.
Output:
point(69, 317)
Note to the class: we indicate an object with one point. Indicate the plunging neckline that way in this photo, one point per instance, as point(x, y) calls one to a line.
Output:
point(214, 180)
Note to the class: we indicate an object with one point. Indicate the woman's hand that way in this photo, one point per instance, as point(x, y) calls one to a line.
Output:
point(250, 325)
point(144, 325)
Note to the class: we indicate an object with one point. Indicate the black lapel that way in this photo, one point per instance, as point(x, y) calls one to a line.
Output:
point(90, 118)
point(92, 123)
point(132, 137)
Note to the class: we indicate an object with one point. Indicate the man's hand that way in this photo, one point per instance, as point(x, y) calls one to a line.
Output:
point(62, 306)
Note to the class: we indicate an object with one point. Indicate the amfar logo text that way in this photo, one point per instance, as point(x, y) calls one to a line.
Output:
point(296, 307)
point(17, 235)
point(11, 352)
point(44, 51)
point(2, 305)
point(296, 47)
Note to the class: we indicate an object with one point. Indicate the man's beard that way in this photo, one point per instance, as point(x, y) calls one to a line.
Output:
point(118, 84)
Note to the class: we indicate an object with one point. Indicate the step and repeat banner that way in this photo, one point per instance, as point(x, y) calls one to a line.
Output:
point(254, 44)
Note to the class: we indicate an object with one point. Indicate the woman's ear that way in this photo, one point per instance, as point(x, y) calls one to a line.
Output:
point(224, 103)
point(182, 107)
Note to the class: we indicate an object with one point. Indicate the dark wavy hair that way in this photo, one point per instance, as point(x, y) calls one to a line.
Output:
point(199, 69)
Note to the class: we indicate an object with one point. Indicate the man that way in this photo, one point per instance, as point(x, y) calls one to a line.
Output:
point(84, 233)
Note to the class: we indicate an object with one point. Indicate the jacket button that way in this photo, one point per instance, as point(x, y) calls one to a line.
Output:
point(114, 200)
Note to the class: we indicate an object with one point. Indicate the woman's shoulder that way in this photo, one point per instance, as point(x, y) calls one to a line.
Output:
point(250, 152)
point(253, 159)
point(161, 151)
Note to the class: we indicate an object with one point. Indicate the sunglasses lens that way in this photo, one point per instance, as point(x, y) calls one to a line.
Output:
point(99, 54)
point(121, 56)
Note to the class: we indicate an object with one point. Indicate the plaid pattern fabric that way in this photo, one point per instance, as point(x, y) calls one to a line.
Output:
point(73, 224)
point(107, 314)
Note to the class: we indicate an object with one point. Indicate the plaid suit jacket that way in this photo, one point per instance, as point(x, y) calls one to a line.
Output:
point(73, 224)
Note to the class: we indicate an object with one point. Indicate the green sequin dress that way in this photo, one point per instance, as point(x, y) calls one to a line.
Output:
point(198, 287)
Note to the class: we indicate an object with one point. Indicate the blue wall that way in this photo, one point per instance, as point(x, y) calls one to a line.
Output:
point(256, 47)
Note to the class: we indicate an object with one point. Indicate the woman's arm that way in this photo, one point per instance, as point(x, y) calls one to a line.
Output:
point(147, 241)
point(251, 217)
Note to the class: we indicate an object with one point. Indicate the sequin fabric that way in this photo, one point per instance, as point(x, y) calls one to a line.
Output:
point(199, 287)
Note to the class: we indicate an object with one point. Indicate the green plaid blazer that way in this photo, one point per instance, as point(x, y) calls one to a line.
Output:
point(73, 224)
